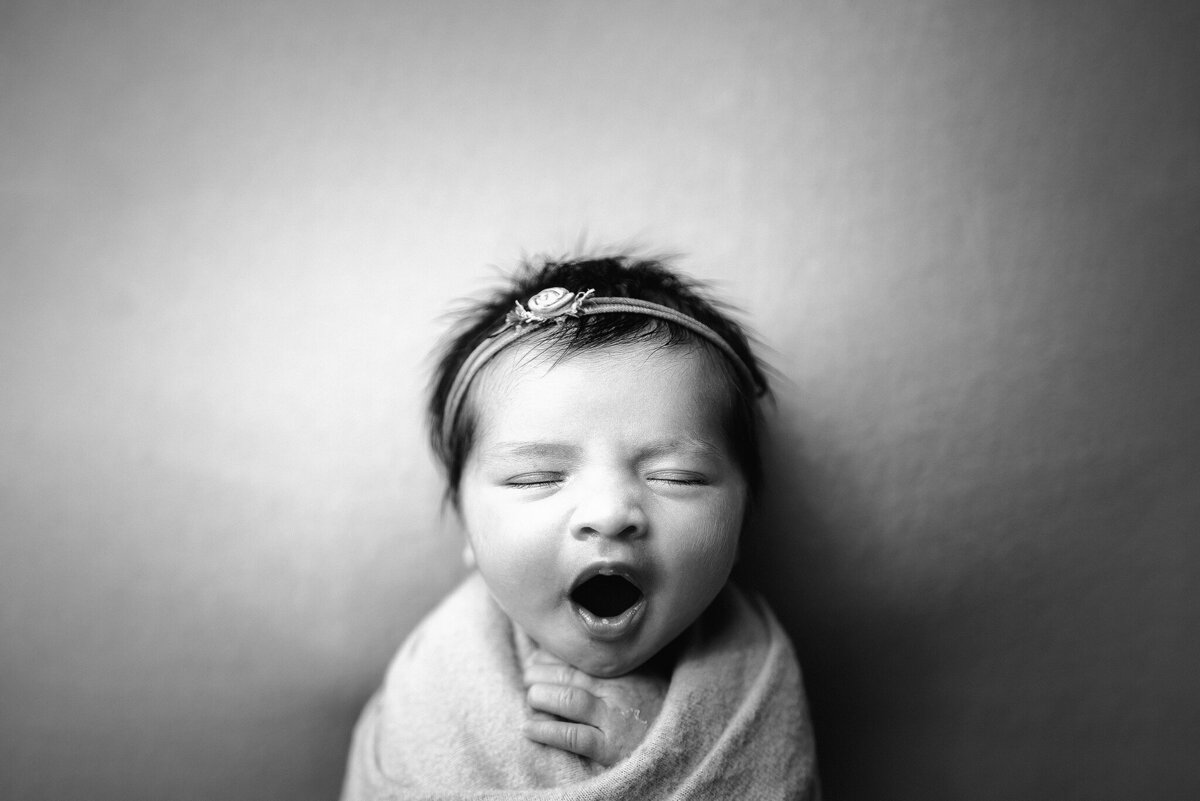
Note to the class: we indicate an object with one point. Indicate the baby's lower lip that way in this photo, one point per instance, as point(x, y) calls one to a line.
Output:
point(610, 628)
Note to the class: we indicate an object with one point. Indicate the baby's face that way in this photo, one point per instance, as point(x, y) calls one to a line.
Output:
point(610, 463)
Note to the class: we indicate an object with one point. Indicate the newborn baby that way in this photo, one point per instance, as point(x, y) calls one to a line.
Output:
point(598, 425)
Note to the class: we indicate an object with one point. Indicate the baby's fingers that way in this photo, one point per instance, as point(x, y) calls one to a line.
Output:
point(573, 737)
point(571, 703)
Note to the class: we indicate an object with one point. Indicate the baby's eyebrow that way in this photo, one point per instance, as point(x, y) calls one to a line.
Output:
point(679, 445)
point(552, 450)
point(674, 446)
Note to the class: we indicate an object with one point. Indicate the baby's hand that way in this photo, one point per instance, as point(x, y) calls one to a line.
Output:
point(601, 719)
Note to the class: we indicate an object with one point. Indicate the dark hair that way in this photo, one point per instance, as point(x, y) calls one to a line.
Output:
point(611, 276)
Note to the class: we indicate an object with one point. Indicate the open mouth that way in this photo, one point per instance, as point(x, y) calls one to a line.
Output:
point(606, 596)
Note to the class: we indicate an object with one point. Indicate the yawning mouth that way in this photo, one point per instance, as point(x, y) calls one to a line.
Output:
point(606, 596)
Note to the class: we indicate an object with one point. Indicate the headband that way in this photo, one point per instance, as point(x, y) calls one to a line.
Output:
point(556, 305)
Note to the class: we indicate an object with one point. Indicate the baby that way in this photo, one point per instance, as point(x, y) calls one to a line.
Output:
point(598, 425)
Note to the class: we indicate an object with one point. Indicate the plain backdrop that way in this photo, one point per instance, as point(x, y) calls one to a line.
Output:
point(966, 231)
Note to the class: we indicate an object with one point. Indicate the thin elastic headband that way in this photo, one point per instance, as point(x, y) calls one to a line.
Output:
point(556, 305)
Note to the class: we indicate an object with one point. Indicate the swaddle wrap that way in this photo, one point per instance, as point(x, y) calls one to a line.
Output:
point(446, 723)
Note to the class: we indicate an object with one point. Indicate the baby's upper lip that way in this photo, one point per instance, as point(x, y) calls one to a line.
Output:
point(606, 567)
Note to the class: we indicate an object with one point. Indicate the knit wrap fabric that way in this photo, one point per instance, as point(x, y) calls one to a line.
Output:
point(446, 723)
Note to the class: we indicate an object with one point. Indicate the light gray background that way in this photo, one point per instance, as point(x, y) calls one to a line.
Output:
point(968, 230)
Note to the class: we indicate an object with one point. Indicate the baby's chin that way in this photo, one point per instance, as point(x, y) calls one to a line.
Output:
point(610, 671)
point(591, 660)
point(614, 665)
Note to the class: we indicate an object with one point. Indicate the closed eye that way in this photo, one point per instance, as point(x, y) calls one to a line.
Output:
point(678, 479)
point(534, 480)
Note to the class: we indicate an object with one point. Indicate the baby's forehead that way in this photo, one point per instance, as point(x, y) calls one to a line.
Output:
point(538, 360)
point(549, 379)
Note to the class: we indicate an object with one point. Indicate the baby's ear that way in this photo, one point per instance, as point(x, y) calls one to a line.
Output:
point(468, 555)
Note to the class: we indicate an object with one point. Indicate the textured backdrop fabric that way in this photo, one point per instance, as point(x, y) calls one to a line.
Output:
point(446, 723)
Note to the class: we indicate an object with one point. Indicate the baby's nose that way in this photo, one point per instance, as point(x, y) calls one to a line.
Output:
point(609, 508)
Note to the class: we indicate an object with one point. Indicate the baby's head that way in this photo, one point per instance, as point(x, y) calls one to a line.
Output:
point(597, 421)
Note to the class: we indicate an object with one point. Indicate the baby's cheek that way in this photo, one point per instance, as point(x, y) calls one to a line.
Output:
point(722, 525)
point(709, 553)
point(515, 563)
